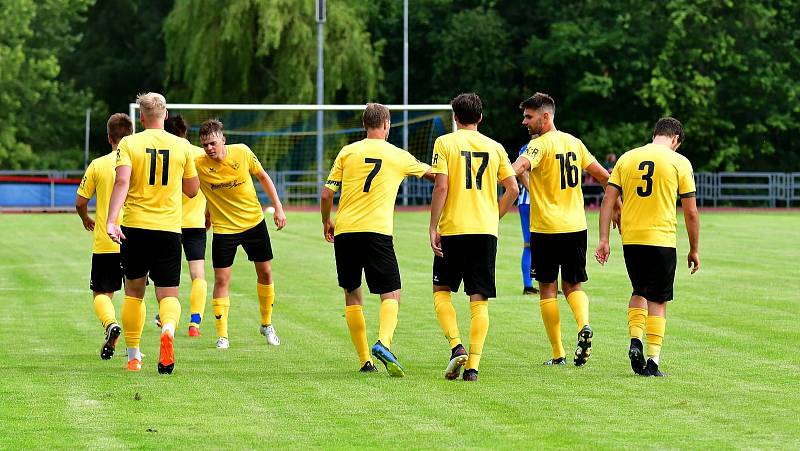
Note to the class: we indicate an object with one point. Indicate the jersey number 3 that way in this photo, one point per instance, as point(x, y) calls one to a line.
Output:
point(649, 167)
point(164, 165)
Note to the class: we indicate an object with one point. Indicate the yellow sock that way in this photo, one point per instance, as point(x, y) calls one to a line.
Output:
point(636, 321)
point(478, 328)
point(579, 303)
point(104, 310)
point(387, 321)
point(221, 307)
point(266, 297)
point(134, 312)
point(169, 309)
point(197, 301)
point(443, 303)
point(354, 314)
point(656, 326)
point(552, 325)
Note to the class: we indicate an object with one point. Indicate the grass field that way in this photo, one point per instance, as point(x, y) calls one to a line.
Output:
point(730, 352)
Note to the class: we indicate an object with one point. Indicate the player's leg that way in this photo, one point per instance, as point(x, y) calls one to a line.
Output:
point(166, 276)
point(446, 280)
point(544, 262)
point(479, 284)
point(663, 262)
point(257, 245)
point(573, 274)
point(106, 278)
point(383, 278)
point(135, 265)
point(194, 248)
point(525, 263)
point(349, 265)
point(223, 252)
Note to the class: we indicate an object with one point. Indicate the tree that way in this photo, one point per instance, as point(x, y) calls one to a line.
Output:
point(264, 51)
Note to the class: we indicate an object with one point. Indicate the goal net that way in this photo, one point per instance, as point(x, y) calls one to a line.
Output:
point(284, 137)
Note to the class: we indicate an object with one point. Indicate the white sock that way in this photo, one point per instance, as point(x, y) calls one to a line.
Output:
point(655, 358)
point(133, 353)
point(168, 328)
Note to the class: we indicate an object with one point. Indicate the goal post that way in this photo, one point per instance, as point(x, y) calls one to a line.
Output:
point(284, 137)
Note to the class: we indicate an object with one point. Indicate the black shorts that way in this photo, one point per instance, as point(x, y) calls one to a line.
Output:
point(371, 252)
point(106, 273)
point(153, 252)
point(255, 243)
point(194, 243)
point(651, 270)
point(551, 251)
point(469, 258)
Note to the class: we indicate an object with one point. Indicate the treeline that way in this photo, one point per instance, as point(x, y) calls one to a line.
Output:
point(727, 69)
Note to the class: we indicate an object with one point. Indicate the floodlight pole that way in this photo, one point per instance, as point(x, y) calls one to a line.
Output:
point(405, 89)
point(321, 17)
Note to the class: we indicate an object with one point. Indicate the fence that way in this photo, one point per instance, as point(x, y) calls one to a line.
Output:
point(56, 189)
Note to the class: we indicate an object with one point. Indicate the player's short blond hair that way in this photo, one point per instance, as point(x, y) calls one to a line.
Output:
point(152, 105)
point(375, 115)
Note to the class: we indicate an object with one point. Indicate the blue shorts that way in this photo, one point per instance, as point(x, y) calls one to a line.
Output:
point(525, 221)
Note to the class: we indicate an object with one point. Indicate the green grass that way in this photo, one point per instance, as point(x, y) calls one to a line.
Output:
point(730, 352)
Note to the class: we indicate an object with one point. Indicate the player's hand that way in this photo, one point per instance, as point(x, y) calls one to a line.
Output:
point(616, 218)
point(115, 233)
point(88, 224)
point(436, 243)
point(280, 218)
point(208, 222)
point(327, 230)
point(694, 262)
point(602, 252)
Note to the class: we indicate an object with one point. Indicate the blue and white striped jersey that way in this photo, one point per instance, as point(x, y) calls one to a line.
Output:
point(524, 198)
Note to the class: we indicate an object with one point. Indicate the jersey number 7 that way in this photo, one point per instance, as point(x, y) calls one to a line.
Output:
point(377, 162)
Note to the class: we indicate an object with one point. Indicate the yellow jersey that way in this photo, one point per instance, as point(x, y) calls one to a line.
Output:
point(369, 172)
point(557, 160)
point(228, 186)
point(99, 180)
point(651, 178)
point(159, 162)
point(474, 164)
point(194, 209)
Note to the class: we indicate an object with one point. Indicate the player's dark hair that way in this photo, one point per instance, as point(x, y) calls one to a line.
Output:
point(468, 108)
point(375, 115)
point(538, 102)
point(176, 125)
point(211, 127)
point(119, 125)
point(669, 127)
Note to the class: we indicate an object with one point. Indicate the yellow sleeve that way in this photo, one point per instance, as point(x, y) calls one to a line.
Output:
point(189, 170)
point(252, 161)
point(686, 186)
point(413, 166)
point(123, 154)
point(334, 181)
point(586, 157)
point(87, 187)
point(505, 170)
point(616, 174)
point(439, 161)
point(535, 152)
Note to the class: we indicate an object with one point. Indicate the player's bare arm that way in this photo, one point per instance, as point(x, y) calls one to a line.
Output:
point(325, 206)
point(606, 210)
point(118, 195)
point(692, 219)
point(521, 166)
point(429, 176)
point(440, 190)
point(190, 186)
point(600, 174)
point(509, 195)
point(82, 207)
point(266, 182)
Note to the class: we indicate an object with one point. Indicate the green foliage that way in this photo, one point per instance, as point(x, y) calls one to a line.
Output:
point(39, 111)
point(264, 51)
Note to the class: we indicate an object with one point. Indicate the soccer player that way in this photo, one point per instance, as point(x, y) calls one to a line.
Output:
point(524, 206)
point(193, 236)
point(554, 161)
point(651, 178)
point(237, 219)
point(106, 275)
point(369, 173)
point(463, 228)
point(153, 167)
